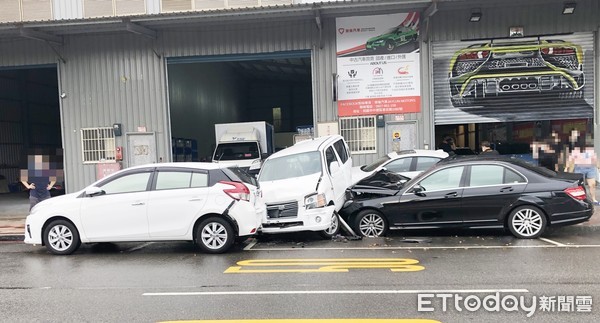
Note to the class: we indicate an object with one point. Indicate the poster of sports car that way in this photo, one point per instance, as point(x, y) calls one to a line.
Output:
point(515, 79)
point(378, 64)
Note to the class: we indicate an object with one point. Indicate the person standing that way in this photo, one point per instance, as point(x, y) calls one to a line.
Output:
point(448, 145)
point(486, 149)
point(37, 179)
point(583, 159)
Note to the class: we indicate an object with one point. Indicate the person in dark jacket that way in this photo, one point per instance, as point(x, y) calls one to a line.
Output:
point(486, 149)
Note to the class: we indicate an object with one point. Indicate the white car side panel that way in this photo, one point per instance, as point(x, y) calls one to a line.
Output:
point(115, 217)
point(172, 212)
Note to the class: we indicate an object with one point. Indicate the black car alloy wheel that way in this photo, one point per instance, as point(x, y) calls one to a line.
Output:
point(371, 223)
point(527, 222)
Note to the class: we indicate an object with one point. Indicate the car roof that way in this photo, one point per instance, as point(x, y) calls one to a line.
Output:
point(314, 144)
point(207, 166)
point(418, 152)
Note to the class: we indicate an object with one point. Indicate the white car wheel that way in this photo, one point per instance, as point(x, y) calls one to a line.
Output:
point(61, 237)
point(333, 229)
point(215, 235)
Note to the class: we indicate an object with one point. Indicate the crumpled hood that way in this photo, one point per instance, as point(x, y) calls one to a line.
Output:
point(289, 189)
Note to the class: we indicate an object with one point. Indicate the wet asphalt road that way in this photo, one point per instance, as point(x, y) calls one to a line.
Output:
point(141, 282)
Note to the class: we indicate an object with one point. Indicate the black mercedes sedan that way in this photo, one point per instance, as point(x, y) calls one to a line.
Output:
point(469, 192)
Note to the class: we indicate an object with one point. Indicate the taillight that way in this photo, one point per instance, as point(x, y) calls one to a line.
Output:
point(239, 192)
point(474, 55)
point(558, 51)
point(577, 193)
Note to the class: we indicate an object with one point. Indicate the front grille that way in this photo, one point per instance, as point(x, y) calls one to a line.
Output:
point(569, 61)
point(282, 210)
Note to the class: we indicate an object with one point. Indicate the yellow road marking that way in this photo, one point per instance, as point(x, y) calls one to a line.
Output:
point(312, 321)
point(324, 265)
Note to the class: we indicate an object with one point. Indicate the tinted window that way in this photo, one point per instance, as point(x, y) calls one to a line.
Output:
point(172, 180)
point(424, 163)
point(237, 151)
point(238, 174)
point(399, 165)
point(444, 179)
point(330, 157)
point(512, 177)
point(127, 184)
point(341, 150)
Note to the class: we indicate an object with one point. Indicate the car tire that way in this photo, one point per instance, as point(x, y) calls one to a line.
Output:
point(61, 237)
point(333, 230)
point(389, 46)
point(527, 222)
point(370, 223)
point(215, 235)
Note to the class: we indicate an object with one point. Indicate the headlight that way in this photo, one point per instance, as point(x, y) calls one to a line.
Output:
point(315, 201)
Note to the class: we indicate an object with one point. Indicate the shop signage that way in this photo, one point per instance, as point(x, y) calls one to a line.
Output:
point(378, 64)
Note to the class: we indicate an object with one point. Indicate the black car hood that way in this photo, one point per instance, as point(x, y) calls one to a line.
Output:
point(382, 182)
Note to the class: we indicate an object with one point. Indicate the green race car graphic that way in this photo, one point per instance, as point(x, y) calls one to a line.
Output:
point(492, 70)
point(393, 38)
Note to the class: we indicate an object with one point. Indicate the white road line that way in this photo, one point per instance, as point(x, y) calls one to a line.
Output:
point(250, 245)
point(427, 248)
point(553, 242)
point(314, 292)
point(139, 247)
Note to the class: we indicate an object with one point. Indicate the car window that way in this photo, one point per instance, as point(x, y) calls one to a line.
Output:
point(237, 174)
point(371, 167)
point(172, 180)
point(483, 175)
point(511, 177)
point(424, 163)
point(341, 150)
point(330, 157)
point(137, 182)
point(291, 166)
point(444, 179)
point(399, 165)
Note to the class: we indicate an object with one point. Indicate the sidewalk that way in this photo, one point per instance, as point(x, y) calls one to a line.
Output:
point(14, 208)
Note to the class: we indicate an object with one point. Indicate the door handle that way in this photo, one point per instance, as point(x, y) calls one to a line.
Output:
point(195, 199)
point(507, 189)
point(138, 204)
point(449, 195)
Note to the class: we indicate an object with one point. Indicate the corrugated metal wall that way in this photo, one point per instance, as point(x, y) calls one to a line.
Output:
point(120, 78)
point(496, 20)
point(67, 9)
point(110, 79)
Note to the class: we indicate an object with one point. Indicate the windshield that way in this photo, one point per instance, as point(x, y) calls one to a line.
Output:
point(291, 166)
point(371, 167)
point(237, 151)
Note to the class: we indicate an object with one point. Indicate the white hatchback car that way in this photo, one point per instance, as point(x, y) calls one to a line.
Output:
point(202, 202)
point(305, 185)
point(409, 163)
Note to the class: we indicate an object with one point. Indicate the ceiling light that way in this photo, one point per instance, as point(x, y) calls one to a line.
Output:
point(569, 8)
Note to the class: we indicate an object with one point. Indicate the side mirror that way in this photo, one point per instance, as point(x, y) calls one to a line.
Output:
point(418, 190)
point(94, 191)
point(334, 167)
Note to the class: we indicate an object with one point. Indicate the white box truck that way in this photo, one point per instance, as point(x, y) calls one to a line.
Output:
point(244, 144)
